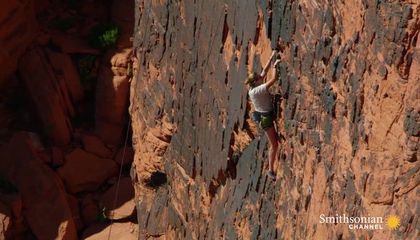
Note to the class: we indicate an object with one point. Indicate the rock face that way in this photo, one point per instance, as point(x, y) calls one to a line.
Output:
point(348, 118)
point(18, 28)
point(11, 223)
point(113, 86)
point(4, 220)
point(43, 195)
point(50, 94)
point(94, 145)
point(84, 171)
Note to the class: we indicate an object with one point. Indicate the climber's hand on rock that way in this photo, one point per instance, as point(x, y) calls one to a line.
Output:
point(276, 62)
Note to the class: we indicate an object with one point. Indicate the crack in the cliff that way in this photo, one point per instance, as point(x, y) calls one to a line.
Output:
point(270, 19)
point(246, 54)
point(224, 33)
point(234, 154)
point(206, 60)
point(408, 190)
point(165, 32)
point(404, 64)
point(396, 118)
point(194, 167)
point(258, 29)
point(365, 183)
point(194, 27)
point(154, 235)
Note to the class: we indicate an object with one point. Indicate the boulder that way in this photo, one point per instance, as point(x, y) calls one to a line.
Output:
point(95, 145)
point(112, 93)
point(65, 68)
point(5, 221)
point(116, 231)
point(44, 199)
point(74, 207)
point(125, 155)
point(14, 202)
point(118, 200)
point(83, 171)
point(89, 210)
point(18, 27)
point(57, 156)
point(48, 94)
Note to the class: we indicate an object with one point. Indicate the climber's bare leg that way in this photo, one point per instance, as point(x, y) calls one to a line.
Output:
point(272, 138)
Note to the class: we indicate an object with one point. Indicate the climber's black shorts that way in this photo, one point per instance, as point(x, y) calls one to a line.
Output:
point(264, 120)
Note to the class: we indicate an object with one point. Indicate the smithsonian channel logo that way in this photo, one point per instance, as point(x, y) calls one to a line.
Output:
point(391, 222)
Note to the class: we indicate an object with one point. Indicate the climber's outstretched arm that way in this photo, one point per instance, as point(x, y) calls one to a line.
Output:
point(274, 79)
point(267, 65)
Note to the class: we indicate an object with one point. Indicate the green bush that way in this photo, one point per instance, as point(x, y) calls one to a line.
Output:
point(104, 36)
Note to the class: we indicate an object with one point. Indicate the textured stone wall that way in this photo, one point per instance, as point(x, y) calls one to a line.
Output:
point(18, 27)
point(348, 118)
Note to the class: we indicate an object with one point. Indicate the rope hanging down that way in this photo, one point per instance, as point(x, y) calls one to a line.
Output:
point(127, 132)
point(119, 175)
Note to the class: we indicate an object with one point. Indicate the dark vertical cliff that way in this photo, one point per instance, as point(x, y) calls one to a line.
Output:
point(349, 118)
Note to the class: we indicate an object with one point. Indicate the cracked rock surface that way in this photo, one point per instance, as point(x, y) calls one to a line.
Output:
point(348, 118)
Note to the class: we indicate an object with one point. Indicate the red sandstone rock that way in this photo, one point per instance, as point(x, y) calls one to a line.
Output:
point(125, 156)
point(119, 204)
point(14, 202)
point(72, 44)
point(18, 27)
point(112, 96)
point(97, 11)
point(41, 5)
point(5, 221)
point(44, 89)
point(89, 210)
point(64, 66)
point(112, 90)
point(95, 145)
point(124, 21)
point(84, 171)
point(119, 231)
point(43, 196)
point(74, 207)
point(57, 157)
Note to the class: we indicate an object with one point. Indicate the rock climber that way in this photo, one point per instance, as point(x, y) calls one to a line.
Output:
point(261, 99)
